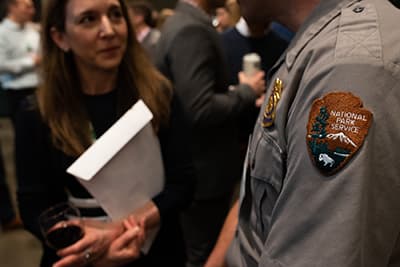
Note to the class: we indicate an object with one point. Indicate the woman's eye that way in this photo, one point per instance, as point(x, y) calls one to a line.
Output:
point(87, 20)
point(116, 14)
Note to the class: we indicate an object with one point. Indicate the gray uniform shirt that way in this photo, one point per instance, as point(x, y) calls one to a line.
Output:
point(300, 211)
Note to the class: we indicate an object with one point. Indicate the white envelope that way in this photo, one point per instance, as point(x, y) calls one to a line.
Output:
point(123, 169)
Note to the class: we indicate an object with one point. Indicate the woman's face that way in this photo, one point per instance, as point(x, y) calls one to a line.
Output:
point(95, 32)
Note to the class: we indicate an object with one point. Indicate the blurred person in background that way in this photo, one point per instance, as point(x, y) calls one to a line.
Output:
point(239, 41)
point(222, 20)
point(93, 72)
point(190, 53)
point(144, 24)
point(244, 39)
point(19, 53)
point(19, 58)
point(226, 16)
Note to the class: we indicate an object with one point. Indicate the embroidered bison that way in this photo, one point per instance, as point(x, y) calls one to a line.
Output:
point(326, 159)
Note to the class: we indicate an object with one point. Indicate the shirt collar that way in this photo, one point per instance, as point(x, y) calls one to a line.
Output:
point(242, 27)
point(142, 34)
point(12, 25)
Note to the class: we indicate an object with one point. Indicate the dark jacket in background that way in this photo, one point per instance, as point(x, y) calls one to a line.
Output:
point(269, 47)
point(190, 54)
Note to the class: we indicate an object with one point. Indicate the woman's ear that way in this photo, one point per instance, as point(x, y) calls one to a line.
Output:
point(59, 39)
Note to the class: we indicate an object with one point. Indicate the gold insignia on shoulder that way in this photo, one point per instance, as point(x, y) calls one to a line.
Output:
point(337, 127)
point(270, 109)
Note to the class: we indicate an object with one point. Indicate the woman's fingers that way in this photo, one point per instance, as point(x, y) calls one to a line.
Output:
point(77, 247)
point(74, 260)
point(127, 238)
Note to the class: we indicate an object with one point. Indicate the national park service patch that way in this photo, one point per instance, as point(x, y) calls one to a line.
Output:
point(336, 129)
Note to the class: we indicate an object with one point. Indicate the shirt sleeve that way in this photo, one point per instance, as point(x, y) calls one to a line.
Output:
point(179, 169)
point(195, 65)
point(350, 218)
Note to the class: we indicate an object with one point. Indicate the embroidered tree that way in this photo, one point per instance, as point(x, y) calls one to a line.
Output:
point(319, 131)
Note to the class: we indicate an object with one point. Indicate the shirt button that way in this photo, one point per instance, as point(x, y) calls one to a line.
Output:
point(358, 9)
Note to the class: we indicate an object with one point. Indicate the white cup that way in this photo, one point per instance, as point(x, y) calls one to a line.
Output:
point(251, 64)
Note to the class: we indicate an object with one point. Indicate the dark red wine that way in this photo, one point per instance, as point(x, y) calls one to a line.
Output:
point(62, 237)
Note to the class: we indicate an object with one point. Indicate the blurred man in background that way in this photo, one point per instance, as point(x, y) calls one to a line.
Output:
point(19, 53)
point(190, 54)
point(144, 24)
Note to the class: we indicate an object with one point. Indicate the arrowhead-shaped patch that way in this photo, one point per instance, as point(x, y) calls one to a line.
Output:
point(336, 129)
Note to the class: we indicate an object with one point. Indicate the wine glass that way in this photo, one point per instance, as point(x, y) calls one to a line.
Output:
point(61, 225)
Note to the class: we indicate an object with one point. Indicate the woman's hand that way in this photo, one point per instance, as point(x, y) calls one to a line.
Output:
point(112, 244)
point(125, 248)
point(94, 244)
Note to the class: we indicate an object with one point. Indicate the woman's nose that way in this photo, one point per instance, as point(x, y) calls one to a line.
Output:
point(106, 27)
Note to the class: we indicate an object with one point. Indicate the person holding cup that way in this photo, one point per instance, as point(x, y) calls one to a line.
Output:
point(94, 70)
point(61, 225)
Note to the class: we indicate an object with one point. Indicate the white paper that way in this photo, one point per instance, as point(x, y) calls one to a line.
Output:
point(101, 152)
point(123, 169)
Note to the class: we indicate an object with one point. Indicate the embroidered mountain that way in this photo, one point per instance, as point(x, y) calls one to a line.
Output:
point(342, 138)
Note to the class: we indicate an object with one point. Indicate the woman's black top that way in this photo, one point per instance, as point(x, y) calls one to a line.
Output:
point(43, 181)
